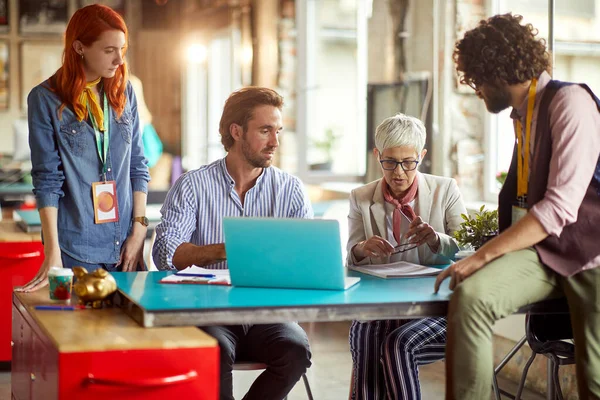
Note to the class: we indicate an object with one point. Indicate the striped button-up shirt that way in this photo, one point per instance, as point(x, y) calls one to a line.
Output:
point(195, 206)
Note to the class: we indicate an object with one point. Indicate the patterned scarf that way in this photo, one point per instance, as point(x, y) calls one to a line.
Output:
point(90, 102)
point(401, 205)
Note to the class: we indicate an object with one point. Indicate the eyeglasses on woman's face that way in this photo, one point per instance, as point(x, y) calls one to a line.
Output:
point(406, 165)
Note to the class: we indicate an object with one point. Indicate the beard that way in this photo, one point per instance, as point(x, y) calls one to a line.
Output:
point(497, 100)
point(255, 158)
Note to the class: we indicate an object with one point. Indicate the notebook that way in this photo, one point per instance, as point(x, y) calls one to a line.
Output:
point(285, 253)
point(199, 275)
point(399, 269)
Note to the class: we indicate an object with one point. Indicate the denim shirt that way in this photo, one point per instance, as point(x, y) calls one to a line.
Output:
point(65, 163)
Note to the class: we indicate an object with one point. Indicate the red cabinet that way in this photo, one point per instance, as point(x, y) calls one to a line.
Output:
point(19, 262)
point(101, 354)
point(139, 375)
point(23, 354)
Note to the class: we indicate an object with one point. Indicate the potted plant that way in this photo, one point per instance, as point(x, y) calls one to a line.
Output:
point(501, 178)
point(326, 146)
point(477, 229)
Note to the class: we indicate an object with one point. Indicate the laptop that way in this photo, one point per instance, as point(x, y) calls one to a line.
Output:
point(285, 253)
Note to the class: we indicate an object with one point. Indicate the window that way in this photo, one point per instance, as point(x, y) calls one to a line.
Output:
point(577, 58)
point(211, 73)
point(331, 90)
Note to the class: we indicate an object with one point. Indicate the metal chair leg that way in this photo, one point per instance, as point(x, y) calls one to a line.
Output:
point(550, 392)
point(495, 387)
point(524, 376)
point(505, 360)
point(556, 379)
point(307, 386)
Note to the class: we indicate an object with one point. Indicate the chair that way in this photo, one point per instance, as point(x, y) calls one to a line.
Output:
point(253, 366)
point(546, 324)
point(545, 334)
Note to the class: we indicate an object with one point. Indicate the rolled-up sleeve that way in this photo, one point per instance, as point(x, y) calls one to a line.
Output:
point(46, 171)
point(178, 223)
point(574, 123)
point(139, 165)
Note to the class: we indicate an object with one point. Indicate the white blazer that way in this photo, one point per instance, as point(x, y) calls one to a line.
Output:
point(438, 202)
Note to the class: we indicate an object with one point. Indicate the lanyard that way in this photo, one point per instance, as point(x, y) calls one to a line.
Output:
point(523, 159)
point(102, 141)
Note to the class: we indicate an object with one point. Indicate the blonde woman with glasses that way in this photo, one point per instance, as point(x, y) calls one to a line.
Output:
point(408, 216)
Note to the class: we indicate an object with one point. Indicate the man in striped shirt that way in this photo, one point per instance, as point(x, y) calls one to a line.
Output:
point(243, 184)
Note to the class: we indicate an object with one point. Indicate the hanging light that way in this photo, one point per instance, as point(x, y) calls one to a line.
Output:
point(196, 53)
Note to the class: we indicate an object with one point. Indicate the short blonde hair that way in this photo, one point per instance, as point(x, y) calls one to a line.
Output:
point(239, 109)
point(400, 130)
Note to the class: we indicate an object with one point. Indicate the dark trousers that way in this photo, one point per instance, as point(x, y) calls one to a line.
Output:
point(282, 347)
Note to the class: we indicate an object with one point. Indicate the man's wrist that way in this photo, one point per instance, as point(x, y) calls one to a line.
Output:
point(222, 253)
point(485, 255)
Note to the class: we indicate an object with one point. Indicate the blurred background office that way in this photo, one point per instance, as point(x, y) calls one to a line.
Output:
point(341, 65)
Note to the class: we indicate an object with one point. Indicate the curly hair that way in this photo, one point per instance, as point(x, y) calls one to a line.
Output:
point(501, 51)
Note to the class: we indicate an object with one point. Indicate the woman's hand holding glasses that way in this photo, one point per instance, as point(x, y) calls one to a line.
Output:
point(420, 232)
point(375, 246)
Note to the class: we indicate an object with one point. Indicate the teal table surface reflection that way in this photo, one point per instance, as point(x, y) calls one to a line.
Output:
point(15, 189)
point(157, 304)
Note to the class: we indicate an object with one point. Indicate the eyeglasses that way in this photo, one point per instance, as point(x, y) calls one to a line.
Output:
point(401, 248)
point(473, 84)
point(391, 165)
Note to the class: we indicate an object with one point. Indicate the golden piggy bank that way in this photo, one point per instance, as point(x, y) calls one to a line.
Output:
point(94, 287)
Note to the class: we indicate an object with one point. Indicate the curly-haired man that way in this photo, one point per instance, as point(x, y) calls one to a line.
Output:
point(549, 208)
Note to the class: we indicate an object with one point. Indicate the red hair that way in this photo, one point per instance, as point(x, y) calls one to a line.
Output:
point(86, 25)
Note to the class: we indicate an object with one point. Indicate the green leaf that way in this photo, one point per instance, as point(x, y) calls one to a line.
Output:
point(472, 231)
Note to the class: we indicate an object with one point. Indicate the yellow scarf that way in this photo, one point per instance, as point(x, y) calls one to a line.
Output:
point(88, 99)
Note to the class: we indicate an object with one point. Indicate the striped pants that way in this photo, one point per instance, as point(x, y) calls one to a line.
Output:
point(386, 356)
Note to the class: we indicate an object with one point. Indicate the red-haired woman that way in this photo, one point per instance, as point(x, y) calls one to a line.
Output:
point(89, 173)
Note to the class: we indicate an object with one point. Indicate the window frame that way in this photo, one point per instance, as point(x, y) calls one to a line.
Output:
point(306, 80)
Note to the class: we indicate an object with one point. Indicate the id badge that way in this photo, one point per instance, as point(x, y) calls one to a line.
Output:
point(517, 213)
point(106, 208)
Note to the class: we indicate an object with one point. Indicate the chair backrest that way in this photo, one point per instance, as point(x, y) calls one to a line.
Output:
point(544, 333)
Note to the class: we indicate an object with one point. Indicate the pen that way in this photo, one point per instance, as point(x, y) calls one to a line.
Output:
point(198, 275)
point(60, 308)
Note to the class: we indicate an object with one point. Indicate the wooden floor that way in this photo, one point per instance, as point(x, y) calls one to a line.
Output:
point(330, 374)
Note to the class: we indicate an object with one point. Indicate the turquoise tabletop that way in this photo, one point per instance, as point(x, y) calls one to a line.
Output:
point(15, 188)
point(144, 289)
point(151, 297)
